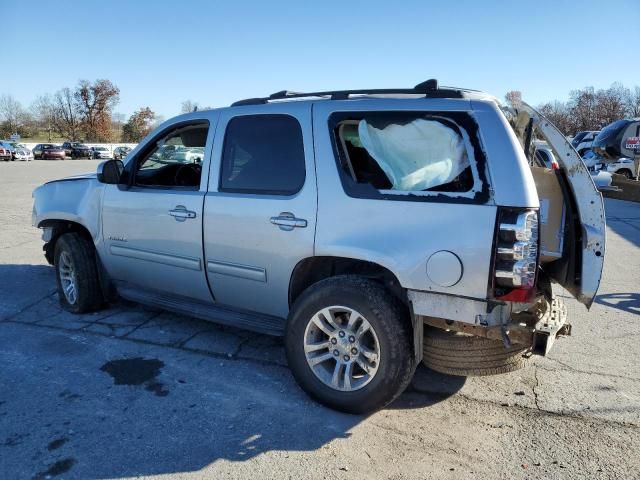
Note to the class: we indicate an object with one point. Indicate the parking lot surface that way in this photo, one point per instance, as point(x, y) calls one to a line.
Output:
point(131, 391)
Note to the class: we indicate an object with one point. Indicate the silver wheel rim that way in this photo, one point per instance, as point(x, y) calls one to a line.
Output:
point(341, 348)
point(67, 277)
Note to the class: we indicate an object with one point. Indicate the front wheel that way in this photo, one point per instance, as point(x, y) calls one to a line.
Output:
point(77, 274)
point(349, 344)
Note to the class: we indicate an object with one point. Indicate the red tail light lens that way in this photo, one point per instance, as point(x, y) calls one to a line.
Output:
point(516, 255)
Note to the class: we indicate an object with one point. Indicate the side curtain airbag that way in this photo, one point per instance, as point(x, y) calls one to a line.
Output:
point(415, 156)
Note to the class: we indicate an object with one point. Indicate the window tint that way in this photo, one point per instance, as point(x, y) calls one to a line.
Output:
point(175, 159)
point(263, 154)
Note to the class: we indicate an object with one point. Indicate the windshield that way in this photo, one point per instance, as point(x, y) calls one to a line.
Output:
point(578, 138)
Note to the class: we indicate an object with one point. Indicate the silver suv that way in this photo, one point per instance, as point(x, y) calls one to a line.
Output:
point(374, 229)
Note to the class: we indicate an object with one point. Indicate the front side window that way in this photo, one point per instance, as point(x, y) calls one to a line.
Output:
point(263, 154)
point(175, 159)
point(408, 153)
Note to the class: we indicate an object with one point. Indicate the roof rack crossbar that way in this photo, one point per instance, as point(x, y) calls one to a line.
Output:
point(428, 89)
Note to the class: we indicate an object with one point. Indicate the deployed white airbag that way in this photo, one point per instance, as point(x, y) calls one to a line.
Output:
point(415, 156)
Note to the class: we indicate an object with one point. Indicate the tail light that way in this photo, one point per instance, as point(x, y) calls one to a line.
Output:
point(515, 263)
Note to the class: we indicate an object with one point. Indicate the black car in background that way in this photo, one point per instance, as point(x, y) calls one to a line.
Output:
point(120, 152)
point(77, 150)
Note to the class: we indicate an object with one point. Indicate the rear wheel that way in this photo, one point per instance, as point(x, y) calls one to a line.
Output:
point(77, 274)
point(464, 355)
point(349, 344)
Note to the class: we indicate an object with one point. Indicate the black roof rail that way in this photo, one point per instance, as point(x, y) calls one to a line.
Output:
point(428, 88)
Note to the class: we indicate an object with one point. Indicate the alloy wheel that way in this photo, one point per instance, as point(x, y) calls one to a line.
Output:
point(341, 348)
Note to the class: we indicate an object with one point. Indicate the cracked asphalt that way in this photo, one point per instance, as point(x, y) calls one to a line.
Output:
point(136, 392)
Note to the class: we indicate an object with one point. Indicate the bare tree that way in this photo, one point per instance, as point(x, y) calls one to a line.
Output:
point(188, 106)
point(514, 98)
point(632, 102)
point(558, 113)
point(44, 113)
point(11, 114)
point(94, 103)
point(610, 104)
point(66, 118)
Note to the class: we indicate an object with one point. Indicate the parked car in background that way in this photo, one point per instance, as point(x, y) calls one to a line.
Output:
point(5, 154)
point(120, 152)
point(9, 145)
point(583, 140)
point(188, 155)
point(22, 153)
point(77, 150)
point(620, 139)
point(623, 166)
point(49, 151)
point(544, 153)
point(100, 152)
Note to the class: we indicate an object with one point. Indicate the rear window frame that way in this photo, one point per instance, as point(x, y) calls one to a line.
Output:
point(466, 123)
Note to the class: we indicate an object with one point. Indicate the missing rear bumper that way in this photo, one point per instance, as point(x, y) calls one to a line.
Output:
point(536, 329)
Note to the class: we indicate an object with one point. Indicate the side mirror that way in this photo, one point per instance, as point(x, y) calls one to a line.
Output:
point(110, 172)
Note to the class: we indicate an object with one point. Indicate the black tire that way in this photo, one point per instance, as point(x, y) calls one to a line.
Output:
point(387, 317)
point(625, 173)
point(82, 254)
point(467, 355)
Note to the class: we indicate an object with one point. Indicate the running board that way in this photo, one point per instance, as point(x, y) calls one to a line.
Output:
point(255, 322)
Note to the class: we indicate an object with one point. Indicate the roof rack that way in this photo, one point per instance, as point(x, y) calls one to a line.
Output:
point(429, 89)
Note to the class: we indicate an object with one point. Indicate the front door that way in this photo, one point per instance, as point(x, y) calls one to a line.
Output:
point(152, 229)
point(260, 210)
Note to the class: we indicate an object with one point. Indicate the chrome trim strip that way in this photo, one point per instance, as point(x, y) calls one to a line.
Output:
point(166, 259)
point(235, 270)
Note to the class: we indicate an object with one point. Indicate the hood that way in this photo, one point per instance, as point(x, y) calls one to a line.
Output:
point(83, 176)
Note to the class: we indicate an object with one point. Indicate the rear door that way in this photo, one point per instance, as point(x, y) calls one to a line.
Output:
point(260, 209)
point(586, 225)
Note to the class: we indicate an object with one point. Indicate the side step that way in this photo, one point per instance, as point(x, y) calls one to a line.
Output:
point(255, 322)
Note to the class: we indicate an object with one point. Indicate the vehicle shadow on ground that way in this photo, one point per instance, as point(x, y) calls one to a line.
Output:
point(175, 410)
point(627, 302)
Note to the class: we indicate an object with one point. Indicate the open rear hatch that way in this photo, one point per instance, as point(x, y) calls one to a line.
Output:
point(580, 245)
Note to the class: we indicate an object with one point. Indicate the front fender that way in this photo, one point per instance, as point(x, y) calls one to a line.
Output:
point(75, 200)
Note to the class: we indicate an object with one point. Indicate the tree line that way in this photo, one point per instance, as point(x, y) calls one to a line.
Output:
point(83, 113)
point(588, 108)
point(86, 112)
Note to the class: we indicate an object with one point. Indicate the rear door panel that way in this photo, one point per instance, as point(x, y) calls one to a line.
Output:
point(249, 259)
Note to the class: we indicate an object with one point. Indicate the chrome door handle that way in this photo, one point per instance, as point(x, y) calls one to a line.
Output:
point(288, 221)
point(180, 213)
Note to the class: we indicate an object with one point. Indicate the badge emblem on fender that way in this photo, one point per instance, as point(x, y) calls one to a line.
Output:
point(117, 239)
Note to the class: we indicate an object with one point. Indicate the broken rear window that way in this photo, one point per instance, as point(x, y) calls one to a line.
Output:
point(406, 152)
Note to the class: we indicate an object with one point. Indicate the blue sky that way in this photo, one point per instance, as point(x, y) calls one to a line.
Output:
point(160, 53)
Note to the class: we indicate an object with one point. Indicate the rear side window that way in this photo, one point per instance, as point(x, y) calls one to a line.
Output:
point(263, 154)
point(410, 155)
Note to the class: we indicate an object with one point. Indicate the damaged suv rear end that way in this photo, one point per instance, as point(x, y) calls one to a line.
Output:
point(449, 196)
